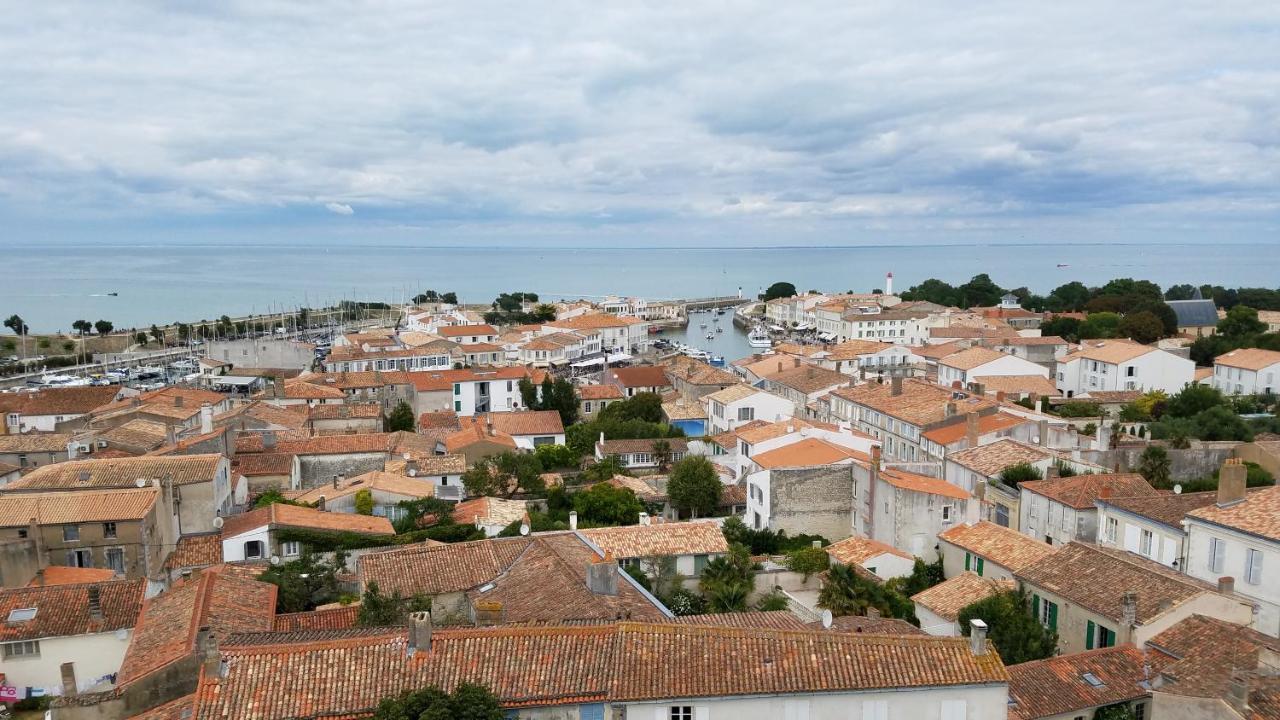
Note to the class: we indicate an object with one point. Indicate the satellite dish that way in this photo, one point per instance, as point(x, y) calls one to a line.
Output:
point(1177, 489)
point(524, 529)
point(140, 482)
point(217, 523)
point(413, 472)
point(827, 619)
point(275, 559)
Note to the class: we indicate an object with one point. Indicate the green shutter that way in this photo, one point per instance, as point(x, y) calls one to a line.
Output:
point(979, 567)
point(1108, 638)
point(1035, 606)
point(1053, 616)
point(1088, 636)
point(966, 560)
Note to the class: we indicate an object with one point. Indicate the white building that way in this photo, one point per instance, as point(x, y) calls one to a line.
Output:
point(1059, 510)
point(884, 561)
point(976, 362)
point(1250, 371)
point(737, 405)
point(909, 510)
point(254, 535)
point(618, 333)
point(558, 348)
point(1150, 526)
point(1122, 365)
point(1239, 537)
point(988, 550)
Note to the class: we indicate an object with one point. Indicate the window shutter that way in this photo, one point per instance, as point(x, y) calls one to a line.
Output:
point(980, 563)
point(1131, 538)
point(967, 557)
point(1035, 606)
point(1053, 617)
point(1088, 635)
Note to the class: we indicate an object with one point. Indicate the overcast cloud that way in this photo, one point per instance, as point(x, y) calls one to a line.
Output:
point(766, 122)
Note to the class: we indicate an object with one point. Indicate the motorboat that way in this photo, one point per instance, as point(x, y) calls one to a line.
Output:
point(719, 329)
point(703, 326)
point(717, 360)
point(185, 364)
point(759, 338)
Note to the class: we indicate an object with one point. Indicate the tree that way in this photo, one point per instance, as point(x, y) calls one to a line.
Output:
point(1180, 292)
point(1070, 297)
point(1143, 327)
point(728, 581)
point(605, 504)
point(401, 419)
point(935, 291)
point(83, 327)
point(140, 338)
point(468, 702)
point(1241, 322)
point(1017, 635)
point(364, 501)
point(923, 576)
point(306, 582)
point(103, 327)
point(504, 475)
point(158, 334)
point(694, 486)
point(847, 593)
point(1100, 325)
point(1192, 400)
point(1020, 473)
point(662, 453)
point(779, 290)
point(980, 291)
point(1067, 328)
point(808, 561)
point(1118, 711)
point(379, 610)
point(604, 469)
point(646, 406)
point(17, 325)
point(553, 394)
point(1154, 465)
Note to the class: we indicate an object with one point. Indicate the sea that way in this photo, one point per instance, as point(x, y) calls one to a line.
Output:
point(51, 286)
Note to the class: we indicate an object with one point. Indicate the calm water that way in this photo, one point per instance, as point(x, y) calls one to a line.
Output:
point(730, 344)
point(51, 286)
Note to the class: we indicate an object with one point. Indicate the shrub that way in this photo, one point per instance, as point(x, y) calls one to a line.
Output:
point(1014, 475)
point(364, 501)
point(808, 561)
point(1017, 635)
point(1077, 408)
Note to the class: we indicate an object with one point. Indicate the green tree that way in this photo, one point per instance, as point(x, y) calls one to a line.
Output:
point(158, 334)
point(364, 501)
point(1193, 400)
point(1015, 475)
point(694, 486)
point(556, 456)
point(779, 290)
point(604, 469)
point(808, 561)
point(1017, 635)
point(1070, 297)
point(140, 338)
point(1154, 465)
point(504, 475)
point(662, 453)
point(401, 419)
point(17, 325)
point(980, 291)
point(103, 327)
point(83, 327)
point(306, 582)
point(605, 504)
point(644, 406)
point(468, 702)
point(1067, 328)
point(773, 602)
point(1143, 327)
point(847, 593)
point(923, 576)
point(728, 581)
point(1100, 325)
point(935, 291)
point(381, 610)
point(1119, 711)
point(1180, 292)
point(1241, 322)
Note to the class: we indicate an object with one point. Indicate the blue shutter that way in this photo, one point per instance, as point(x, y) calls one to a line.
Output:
point(591, 712)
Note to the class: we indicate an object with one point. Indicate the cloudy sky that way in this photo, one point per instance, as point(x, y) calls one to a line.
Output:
point(714, 122)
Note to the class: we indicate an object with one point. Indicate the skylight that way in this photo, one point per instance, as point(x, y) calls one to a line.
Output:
point(1092, 680)
point(21, 614)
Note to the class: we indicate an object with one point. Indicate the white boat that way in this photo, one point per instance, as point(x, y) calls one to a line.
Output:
point(703, 326)
point(719, 329)
point(185, 364)
point(711, 336)
point(759, 338)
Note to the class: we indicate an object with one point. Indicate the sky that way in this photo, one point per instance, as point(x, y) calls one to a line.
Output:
point(576, 123)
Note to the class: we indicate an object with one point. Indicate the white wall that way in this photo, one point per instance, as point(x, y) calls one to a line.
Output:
point(988, 702)
point(95, 655)
point(233, 547)
point(1165, 545)
point(1266, 594)
point(934, 624)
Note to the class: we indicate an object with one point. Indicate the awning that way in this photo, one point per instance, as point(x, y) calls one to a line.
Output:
point(826, 336)
point(236, 380)
point(588, 363)
point(776, 328)
point(619, 357)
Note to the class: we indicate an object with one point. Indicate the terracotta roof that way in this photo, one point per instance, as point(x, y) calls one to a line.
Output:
point(281, 515)
point(64, 575)
point(339, 618)
point(594, 664)
point(329, 444)
point(167, 629)
point(758, 431)
point(35, 443)
point(289, 416)
point(1002, 546)
point(66, 401)
point(63, 610)
point(489, 511)
point(771, 620)
point(362, 411)
point(429, 465)
point(660, 539)
point(376, 480)
point(733, 393)
point(904, 480)
point(258, 464)
point(599, 392)
point(644, 445)
point(972, 358)
point(987, 424)
point(1198, 656)
point(146, 434)
point(857, 550)
point(870, 625)
point(58, 508)
point(646, 488)
point(809, 378)
point(193, 551)
point(442, 380)
point(181, 709)
point(921, 403)
point(854, 349)
point(474, 434)
point(1057, 686)
point(682, 409)
point(1109, 351)
point(949, 597)
point(1249, 359)
point(1258, 514)
point(305, 389)
point(1166, 508)
point(1112, 396)
point(595, 321)
point(439, 569)
point(971, 333)
point(640, 376)
point(697, 372)
point(807, 452)
point(1081, 491)
point(522, 422)
point(937, 351)
point(991, 459)
point(1111, 573)
point(465, 330)
point(1018, 385)
point(444, 419)
point(1038, 340)
point(120, 472)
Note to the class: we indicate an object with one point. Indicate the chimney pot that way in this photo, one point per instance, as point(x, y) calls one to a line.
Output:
point(573, 519)
point(1226, 585)
point(179, 401)
point(977, 637)
point(895, 385)
point(644, 518)
point(602, 576)
point(320, 503)
point(420, 630)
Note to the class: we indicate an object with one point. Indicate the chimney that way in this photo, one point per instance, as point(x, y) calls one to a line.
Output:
point(779, 366)
point(977, 637)
point(1043, 429)
point(335, 482)
point(573, 519)
point(1227, 585)
point(1052, 472)
point(95, 602)
point(320, 503)
point(1231, 482)
point(999, 396)
point(950, 410)
point(39, 580)
point(206, 418)
point(170, 435)
point(207, 646)
point(68, 678)
point(420, 629)
point(644, 518)
point(411, 467)
point(82, 477)
point(956, 385)
point(179, 401)
point(602, 575)
point(873, 613)
point(1238, 692)
point(488, 612)
point(895, 385)
point(971, 429)
point(269, 440)
point(1129, 609)
point(795, 362)
point(277, 387)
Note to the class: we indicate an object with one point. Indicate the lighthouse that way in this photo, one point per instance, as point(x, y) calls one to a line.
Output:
point(888, 283)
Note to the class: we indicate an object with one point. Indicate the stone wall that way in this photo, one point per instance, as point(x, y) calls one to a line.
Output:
point(816, 501)
point(1198, 461)
point(18, 562)
point(317, 470)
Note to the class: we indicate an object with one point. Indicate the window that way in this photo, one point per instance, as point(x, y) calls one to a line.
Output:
point(70, 533)
point(108, 529)
point(115, 560)
point(1045, 611)
point(21, 650)
point(457, 388)
point(586, 407)
point(253, 550)
point(457, 406)
point(699, 562)
point(1253, 567)
point(1131, 371)
point(1002, 515)
point(746, 414)
point(291, 548)
point(681, 712)
point(1217, 549)
point(1144, 546)
point(946, 513)
point(18, 615)
point(1112, 526)
point(79, 558)
point(981, 562)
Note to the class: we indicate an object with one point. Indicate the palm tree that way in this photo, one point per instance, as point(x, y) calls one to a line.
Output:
point(839, 593)
point(662, 454)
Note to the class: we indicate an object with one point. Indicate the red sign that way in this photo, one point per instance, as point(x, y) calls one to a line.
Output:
point(9, 694)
